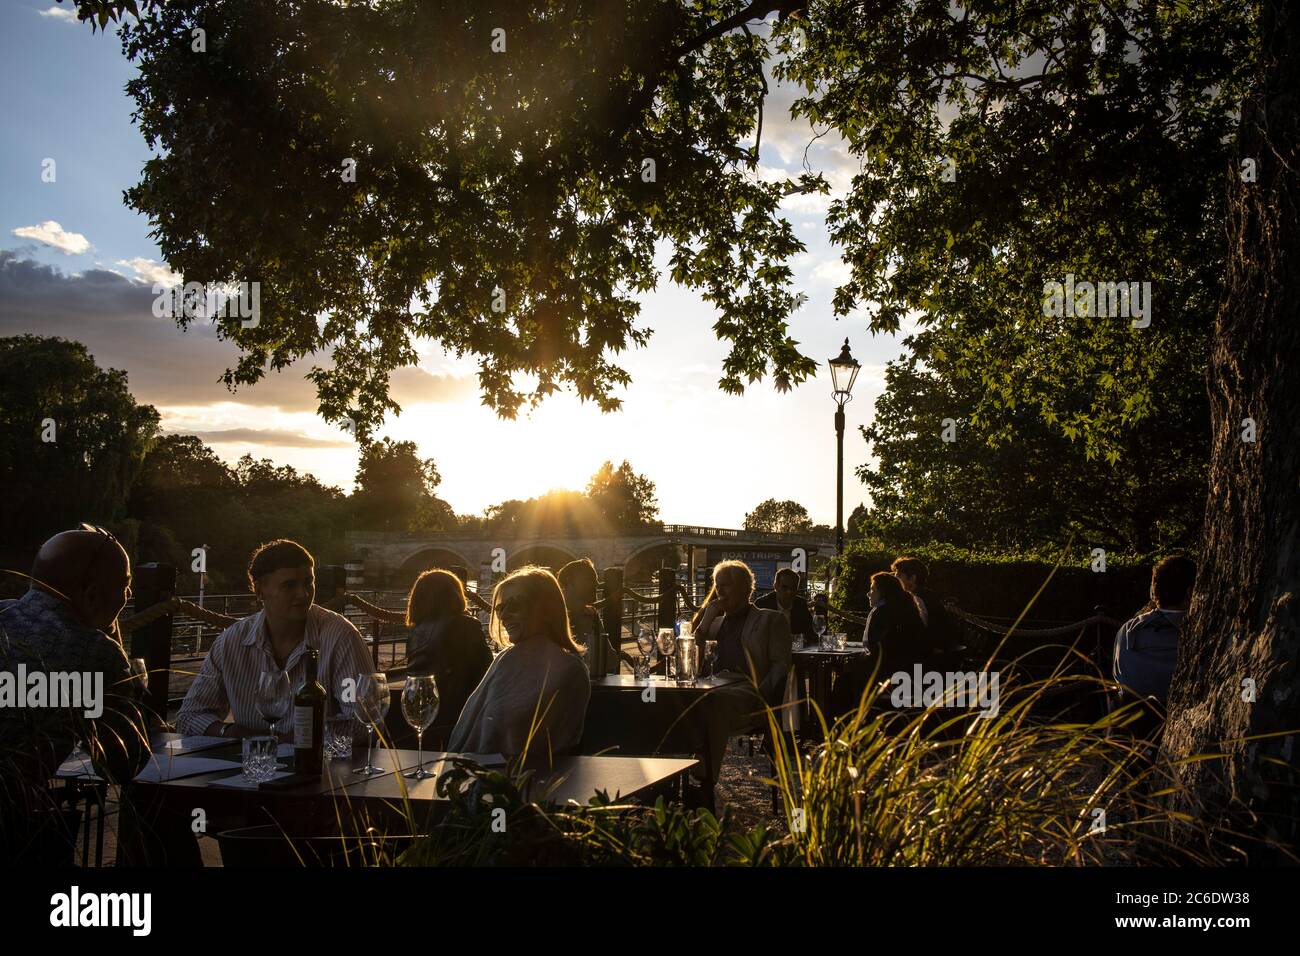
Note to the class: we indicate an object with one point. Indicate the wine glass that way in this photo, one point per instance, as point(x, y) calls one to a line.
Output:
point(819, 625)
point(273, 697)
point(372, 708)
point(645, 645)
point(419, 707)
point(667, 648)
point(711, 655)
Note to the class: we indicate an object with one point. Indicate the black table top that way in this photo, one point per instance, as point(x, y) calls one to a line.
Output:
point(571, 778)
point(629, 682)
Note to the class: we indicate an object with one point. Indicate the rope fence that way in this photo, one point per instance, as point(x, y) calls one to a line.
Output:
point(390, 616)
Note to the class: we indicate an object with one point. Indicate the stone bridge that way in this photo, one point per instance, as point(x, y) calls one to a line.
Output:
point(396, 558)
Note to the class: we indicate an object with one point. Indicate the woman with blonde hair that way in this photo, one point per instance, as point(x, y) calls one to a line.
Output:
point(533, 699)
point(445, 642)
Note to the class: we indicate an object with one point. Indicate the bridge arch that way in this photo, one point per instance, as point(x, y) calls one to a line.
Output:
point(545, 554)
point(432, 557)
point(641, 563)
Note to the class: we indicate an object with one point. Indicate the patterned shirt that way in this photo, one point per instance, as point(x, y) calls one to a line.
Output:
point(39, 631)
point(227, 683)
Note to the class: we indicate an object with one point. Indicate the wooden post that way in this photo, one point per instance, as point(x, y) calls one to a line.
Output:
point(152, 583)
point(330, 580)
point(667, 596)
point(613, 617)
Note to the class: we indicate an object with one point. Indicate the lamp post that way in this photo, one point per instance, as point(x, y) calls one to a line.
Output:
point(844, 372)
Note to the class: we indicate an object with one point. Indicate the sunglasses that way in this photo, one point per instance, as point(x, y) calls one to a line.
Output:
point(513, 605)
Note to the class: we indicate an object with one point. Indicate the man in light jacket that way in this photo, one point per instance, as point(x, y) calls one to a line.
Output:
point(752, 641)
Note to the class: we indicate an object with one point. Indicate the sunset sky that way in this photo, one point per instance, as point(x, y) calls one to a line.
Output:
point(75, 262)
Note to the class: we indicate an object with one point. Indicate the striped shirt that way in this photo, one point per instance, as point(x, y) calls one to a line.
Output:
point(227, 683)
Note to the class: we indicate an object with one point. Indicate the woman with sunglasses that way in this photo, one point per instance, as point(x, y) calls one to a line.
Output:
point(533, 700)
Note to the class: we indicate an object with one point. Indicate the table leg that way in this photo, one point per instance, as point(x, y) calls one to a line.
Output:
point(82, 793)
point(101, 794)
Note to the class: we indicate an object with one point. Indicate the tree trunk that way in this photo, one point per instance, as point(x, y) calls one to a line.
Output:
point(1244, 624)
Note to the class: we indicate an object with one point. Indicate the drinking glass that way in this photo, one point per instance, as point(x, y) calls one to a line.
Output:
point(273, 697)
point(687, 665)
point(372, 708)
point(645, 645)
point(711, 655)
point(259, 758)
point(667, 648)
point(840, 640)
point(338, 735)
point(419, 707)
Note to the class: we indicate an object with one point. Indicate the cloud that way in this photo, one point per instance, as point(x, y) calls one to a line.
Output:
point(835, 271)
point(414, 386)
point(113, 317)
point(66, 14)
point(52, 234)
point(267, 436)
point(147, 270)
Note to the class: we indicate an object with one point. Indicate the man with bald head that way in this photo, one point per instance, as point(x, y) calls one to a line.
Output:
point(66, 623)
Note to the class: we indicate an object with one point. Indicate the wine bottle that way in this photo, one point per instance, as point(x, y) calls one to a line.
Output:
point(309, 720)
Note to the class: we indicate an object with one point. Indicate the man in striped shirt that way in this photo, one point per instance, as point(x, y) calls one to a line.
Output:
point(283, 574)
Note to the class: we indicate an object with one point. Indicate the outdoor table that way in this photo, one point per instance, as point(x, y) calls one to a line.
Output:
point(817, 666)
point(315, 802)
point(622, 715)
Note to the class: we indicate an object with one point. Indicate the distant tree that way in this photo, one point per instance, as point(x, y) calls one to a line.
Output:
point(624, 500)
point(855, 527)
point(1014, 482)
point(558, 512)
point(186, 497)
point(395, 490)
point(779, 516)
point(72, 439)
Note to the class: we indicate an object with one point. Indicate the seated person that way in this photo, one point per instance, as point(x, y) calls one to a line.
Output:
point(283, 575)
point(579, 582)
point(66, 623)
point(894, 637)
point(533, 700)
point(445, 642)
point(1146, 647)
point(941, 629)
point(753, 642)
point(785, 598)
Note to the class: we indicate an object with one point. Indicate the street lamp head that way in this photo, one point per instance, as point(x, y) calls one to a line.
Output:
point(844, 372)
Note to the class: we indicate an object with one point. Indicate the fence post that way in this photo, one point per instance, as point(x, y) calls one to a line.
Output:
point(152, 583)
point(330, 579)
point(613, 616)
point(667, 596)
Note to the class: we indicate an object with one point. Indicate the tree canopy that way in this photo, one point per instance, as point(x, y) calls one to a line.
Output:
point(1006, 146)
point(494, 176)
